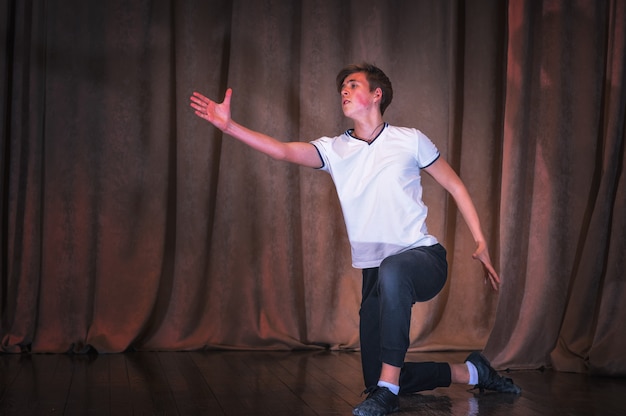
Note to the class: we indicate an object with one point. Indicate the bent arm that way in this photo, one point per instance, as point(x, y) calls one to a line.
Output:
point(304, 154)
point(443, 173)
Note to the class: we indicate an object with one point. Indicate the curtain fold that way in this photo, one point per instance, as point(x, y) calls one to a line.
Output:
point(563, 152)
point(591, 338)
point(129, 223)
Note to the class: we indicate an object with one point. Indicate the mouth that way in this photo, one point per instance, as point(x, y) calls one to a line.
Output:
point(345, 102)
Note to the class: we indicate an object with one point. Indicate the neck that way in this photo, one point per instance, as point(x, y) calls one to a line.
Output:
point(368, 130)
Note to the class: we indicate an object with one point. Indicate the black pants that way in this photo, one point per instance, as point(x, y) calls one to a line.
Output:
point(389, 292)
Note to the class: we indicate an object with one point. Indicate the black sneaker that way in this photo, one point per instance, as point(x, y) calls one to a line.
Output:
point(488, 378)
point(380, 402)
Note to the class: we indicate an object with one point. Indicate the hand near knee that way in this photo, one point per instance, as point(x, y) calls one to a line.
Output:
point(482, 254)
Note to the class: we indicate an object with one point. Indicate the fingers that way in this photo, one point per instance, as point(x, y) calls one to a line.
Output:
point(199, 103)
point(204, 105)
point(203, 101)
point(489, 271)
point(494, 280)
point(199, 98)
point(227, 95)
point(209, 110)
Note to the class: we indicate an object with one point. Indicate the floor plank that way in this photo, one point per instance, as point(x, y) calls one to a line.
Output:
point(235, 383)
point(51, 395)
point(89, 390)
point(322, 392)
point(120, 393)
point(149, 385)
point(192, 394)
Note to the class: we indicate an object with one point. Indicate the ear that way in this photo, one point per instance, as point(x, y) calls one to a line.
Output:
point(378, 93)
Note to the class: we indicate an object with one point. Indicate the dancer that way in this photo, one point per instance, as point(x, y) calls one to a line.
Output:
point(376, 170)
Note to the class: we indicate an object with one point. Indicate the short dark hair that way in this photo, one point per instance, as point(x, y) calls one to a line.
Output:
point(376, 78)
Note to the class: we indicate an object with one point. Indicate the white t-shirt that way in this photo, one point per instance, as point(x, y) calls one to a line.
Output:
point(380, 191)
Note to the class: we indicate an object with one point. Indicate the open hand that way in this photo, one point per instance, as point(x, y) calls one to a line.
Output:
point(214, 113)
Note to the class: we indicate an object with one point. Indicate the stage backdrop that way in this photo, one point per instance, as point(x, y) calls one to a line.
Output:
point(129, 223)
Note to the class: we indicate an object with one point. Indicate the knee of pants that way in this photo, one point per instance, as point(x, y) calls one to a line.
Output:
point(393, 281)
point(407, 276)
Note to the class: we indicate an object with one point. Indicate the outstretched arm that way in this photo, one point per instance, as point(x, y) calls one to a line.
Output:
point(443, 173)
point(219, 115)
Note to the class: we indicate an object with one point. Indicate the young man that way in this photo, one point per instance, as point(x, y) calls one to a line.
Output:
point(376, 170)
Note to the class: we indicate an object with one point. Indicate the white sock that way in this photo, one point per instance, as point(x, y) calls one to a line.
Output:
point(392, 387)
point(473, 372)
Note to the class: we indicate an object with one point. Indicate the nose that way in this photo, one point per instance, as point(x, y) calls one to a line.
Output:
point(344, 92)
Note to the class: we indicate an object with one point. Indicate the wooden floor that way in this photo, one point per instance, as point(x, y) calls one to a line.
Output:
point(267, 383)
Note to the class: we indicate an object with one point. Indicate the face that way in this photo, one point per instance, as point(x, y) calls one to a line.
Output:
point(356, 97)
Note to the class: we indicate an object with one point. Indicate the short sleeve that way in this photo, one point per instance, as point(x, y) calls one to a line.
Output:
point(427, 152)
point(321, 145)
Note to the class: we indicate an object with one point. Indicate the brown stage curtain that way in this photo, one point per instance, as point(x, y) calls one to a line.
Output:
point(129, 223)
point(563, 206)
